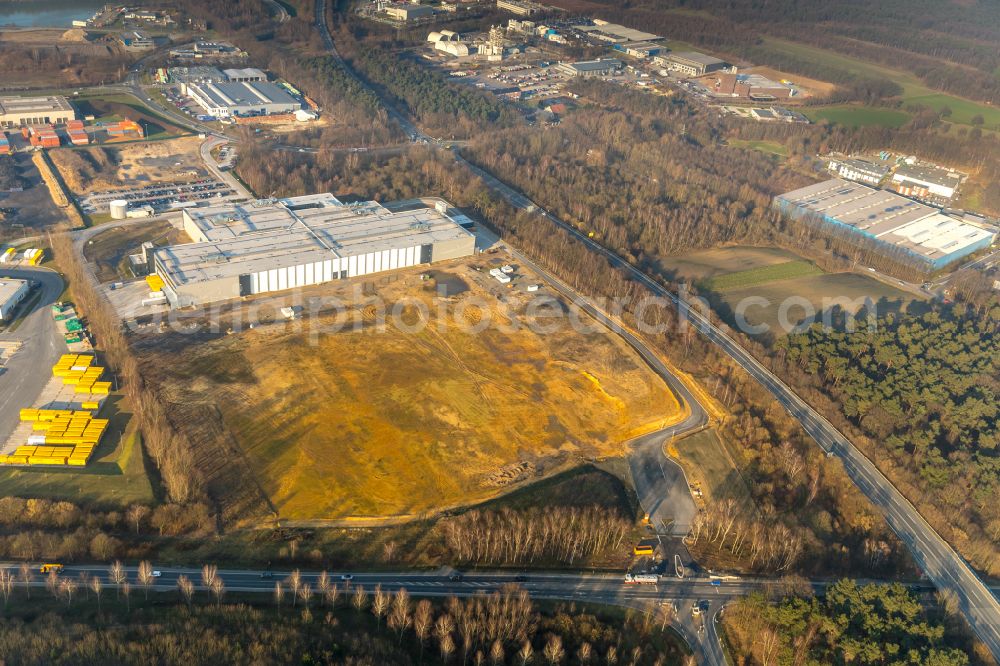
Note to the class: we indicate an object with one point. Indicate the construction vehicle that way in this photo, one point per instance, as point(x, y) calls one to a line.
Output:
point(46, 568)
point(642, 549)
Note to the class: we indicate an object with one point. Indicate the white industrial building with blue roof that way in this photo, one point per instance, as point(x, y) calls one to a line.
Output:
point(927, 236)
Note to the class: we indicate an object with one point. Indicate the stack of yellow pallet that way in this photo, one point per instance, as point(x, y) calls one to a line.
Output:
point(78, 370)
point(74, 434)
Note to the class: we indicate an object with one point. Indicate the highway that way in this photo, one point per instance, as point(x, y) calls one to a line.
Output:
point(25, 374)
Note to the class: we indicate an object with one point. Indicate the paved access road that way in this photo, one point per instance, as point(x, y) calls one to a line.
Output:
point(27, 372)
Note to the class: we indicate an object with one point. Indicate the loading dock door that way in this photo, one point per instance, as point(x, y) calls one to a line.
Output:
point(246, 285)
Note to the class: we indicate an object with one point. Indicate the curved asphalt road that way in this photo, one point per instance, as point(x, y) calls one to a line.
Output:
point(26, 373)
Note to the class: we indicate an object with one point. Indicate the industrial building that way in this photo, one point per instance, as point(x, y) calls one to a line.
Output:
point(244, 75)
point(404, 12)
point(930, 238)
point(613, 33)
point(273, 245)
point(224, 100)
point(691, 63)
point(21, 111)
point(521, 7)
point(859, 170)
point(136, 41)
point(926, 182)
point(195, 74)
point(12, 292)
point(591, 68)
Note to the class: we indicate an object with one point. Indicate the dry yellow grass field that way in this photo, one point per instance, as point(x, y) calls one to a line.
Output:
point(396, 424)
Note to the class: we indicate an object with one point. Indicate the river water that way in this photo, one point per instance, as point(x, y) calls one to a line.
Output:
point(46, 14)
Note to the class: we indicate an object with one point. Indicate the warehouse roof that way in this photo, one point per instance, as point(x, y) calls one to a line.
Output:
point(888, 217)
point(617, 32)
point(242, 239)
point(695, 57)
point(595, 65)
point(249, 93)
point(245, 73)
point(34, 104)
point(9, 288)
point(923, 174)
point(862, 165)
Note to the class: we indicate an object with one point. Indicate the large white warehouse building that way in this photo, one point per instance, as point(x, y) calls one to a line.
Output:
point(924, 234)
point(242, 250)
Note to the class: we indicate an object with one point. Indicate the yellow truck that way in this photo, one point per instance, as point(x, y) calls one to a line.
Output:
point(46, 568)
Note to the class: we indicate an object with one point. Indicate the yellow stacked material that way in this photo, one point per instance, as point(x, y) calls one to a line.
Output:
point(82, 413)
point(42, 460)
point(41, 425)
point(101, 388)
point(155, 282)
point(17, 460)
point(3, 459)
point(92, 406)
point(28, 414)
point(25, 451)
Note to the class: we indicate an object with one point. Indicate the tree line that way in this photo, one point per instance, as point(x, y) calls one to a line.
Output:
point(309, 622)
point(567, 535)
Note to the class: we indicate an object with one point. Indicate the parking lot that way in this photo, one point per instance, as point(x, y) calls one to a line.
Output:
point(161, 196)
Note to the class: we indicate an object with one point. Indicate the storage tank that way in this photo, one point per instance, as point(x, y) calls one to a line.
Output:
point(119, 209)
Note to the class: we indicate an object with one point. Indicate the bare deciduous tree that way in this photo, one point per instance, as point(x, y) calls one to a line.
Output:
point(6, 584)
point(447, 646)
point(332, 594)
point(145, 577)
point(294, 582)
point(279, 593)
point(116, 573)
point(305, 594)
point(186, 588)
point(360, 599)
point(525, 653)
point(423, 619)
point(26, 576)
point(209, 573)
point(323, 586)
point(136, 514)
point(399, 616)
point(218, 590)
point(554, 652)
point(380, 604)
point(96, 587)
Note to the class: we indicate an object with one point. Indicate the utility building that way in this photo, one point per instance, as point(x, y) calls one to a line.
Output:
point(923, 234)
point(21, 111)
point(273, 245)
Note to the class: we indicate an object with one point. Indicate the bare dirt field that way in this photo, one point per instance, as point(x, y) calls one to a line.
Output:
point(395, 424)
point(808, 87)
point(95, 169)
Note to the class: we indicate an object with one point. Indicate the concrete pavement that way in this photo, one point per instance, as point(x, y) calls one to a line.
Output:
point(27, 371)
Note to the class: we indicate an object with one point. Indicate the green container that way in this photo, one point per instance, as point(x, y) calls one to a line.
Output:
point(74, 326)
point(62, 317)
point(71, 339)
